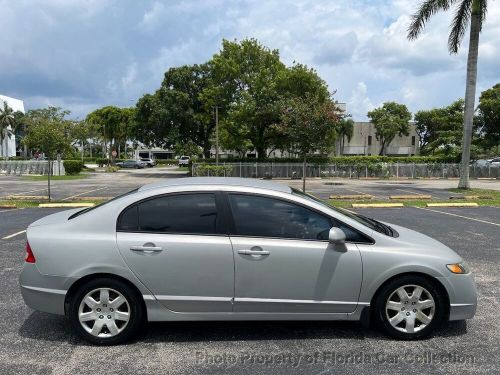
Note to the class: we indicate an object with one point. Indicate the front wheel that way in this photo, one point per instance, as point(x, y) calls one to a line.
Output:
point(106, 312)
point(409, 307)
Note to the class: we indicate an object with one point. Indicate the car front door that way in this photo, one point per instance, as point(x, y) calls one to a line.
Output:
point(177, 246)
point(284, 262)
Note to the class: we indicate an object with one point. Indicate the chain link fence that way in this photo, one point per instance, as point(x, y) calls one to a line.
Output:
point(381, 170)
point(37, 167)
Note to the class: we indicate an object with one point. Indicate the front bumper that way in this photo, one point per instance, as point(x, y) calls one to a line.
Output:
point(462, 293)
point(43, 292)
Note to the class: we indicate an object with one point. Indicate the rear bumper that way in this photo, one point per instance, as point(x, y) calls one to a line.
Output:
point(42, 292)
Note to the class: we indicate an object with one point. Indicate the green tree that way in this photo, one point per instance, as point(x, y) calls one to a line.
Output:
point(489, 116)
point(467, 12)
point(48, 132)
point(113, 124)
point(246, 75)
point(441, 128)
point(390, 119)
point(178, 112)
point(7, 125)
point(309, 125)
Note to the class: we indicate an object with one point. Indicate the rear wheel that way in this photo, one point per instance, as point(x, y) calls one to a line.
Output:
point(409, 307)
point(106, 311)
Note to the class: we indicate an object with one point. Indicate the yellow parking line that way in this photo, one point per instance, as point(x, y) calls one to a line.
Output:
point(14, 235)
point(461, 216)
point(85, 192)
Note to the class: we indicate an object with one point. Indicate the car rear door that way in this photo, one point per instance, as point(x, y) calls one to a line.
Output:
point(284, 262)
point(177, 246)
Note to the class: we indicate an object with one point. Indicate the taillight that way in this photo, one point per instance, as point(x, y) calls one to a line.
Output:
point(30, 258)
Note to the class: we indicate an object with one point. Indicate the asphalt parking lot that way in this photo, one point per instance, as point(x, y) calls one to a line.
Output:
point(106, 185)
point(33, 342)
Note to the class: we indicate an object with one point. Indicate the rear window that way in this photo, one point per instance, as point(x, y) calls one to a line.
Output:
point(182, 214)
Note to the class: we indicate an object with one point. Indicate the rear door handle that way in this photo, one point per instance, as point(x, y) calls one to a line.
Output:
point(146, 248)
point(253, 252)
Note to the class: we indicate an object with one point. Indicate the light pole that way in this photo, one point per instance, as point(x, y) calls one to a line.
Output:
point(216, 135)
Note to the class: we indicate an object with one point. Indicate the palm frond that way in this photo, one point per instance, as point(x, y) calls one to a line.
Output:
point(426, 10)
point(483, 4)
point(459, 25)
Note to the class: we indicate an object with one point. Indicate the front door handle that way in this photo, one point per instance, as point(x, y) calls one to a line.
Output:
point(253, 252)
point(147, 248)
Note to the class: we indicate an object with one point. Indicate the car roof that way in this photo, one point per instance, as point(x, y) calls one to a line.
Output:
point(224, 181)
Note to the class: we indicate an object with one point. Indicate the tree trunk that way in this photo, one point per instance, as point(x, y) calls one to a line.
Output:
point(470, 94)
point(382, 148)
point(304, 175)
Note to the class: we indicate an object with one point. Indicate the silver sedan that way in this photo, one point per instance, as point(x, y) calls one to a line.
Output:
point(237, 249)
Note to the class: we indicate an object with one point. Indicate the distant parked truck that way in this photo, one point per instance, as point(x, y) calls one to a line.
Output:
point(184, 160)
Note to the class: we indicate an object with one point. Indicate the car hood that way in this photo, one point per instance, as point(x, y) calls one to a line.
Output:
point(424, 244)
point(58, 217)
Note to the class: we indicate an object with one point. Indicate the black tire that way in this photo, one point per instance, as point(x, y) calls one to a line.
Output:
point(381, 316)
point(135, 307)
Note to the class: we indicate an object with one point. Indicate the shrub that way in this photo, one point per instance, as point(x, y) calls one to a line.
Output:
point(73, 167)
point(213, 170)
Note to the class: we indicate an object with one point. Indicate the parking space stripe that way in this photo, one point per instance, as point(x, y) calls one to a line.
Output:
point(85, 192)
point(14, 235)
point(456, 215)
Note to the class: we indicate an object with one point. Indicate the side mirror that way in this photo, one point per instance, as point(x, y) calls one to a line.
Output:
point(336, 235)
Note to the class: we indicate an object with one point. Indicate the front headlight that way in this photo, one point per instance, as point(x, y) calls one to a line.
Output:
point(458, 268)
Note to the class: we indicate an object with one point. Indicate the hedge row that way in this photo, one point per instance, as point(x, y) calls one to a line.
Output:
point(73, 167)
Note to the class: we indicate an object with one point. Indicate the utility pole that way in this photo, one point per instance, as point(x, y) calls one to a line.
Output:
point(217, 135)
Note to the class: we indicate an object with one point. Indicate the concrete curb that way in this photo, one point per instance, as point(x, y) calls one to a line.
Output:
point(62, 205)
point(7, 206)
point(412, 197)
point(351, 197)
point(377, 205)
point(464, 204)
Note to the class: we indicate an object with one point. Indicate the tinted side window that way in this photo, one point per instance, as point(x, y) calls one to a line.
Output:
point(269, 217)
point(183, 214)
point(352, 235)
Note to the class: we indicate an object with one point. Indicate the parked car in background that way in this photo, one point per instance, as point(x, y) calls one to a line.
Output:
point(150, 163)
point(495, 162)
point(184, 160)
point(212, 248)
point(137, 164)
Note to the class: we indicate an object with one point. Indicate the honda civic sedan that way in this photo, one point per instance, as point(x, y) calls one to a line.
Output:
point(206, 248)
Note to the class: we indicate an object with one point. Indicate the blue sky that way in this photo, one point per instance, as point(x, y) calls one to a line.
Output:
point(84, 54)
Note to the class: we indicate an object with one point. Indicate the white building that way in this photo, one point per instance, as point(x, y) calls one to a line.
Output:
point(8, 145)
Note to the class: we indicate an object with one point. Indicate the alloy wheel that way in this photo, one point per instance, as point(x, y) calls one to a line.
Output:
point(410, 308)
point(104, 312)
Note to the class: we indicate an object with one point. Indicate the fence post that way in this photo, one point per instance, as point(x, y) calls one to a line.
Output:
point(350, 171)
point(366, 171)
point(240, 168)
point(256, 171)
point(397, 170)
point(224, 168)
point(412, 170)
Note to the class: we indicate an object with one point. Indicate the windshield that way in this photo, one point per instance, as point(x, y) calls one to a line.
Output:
point(102, 204)
point(366, 221)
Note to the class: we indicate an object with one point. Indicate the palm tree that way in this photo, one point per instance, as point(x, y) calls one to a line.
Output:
point(345, 129)
point(7, 122)
point(467, 12)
